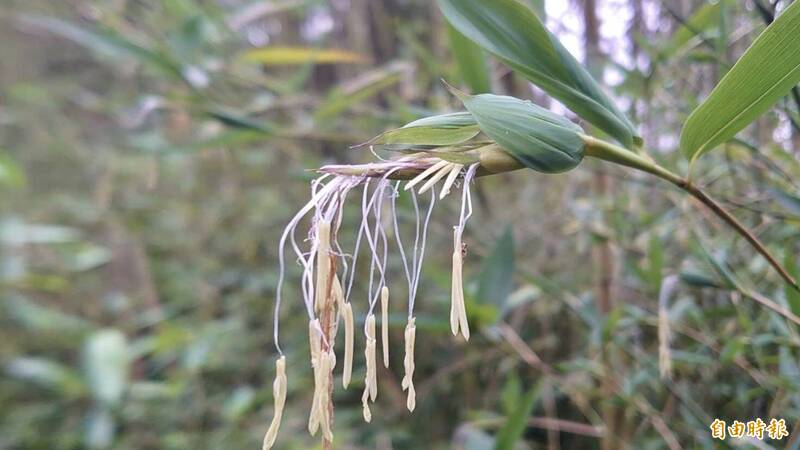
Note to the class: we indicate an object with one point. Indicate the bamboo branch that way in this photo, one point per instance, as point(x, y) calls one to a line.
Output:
point(604, 150)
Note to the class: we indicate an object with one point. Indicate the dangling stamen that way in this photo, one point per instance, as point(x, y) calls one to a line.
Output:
point(408, 363)
point(365, 406)
point(279, 395)
point(314, 333)
point(371, 340)
point(287, 232)
point(370, 382)
point(347, 313)
point(323, 237)
point(327, 362)
point(434, 168)
point(455, 170)
point(457, 288)
point(337, 298)
point(458, 311)
point(385, 324)
point(435, 178)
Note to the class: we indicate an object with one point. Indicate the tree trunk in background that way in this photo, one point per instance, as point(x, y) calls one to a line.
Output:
point(602, 255)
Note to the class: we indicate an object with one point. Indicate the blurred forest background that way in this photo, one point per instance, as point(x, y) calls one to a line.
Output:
point(151, 153)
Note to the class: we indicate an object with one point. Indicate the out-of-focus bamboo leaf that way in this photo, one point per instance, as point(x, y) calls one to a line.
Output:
point(236, 120)
point(512, 430)
point(40, 318)
point(538, 138)
point(356, 91)
point(513, 33)
point(721, 267)
point(497, 272)
point(107, 361)
point(472, 438)
point(11, 174)
point(787, 201)
point(103, 42)
point(302, 55)
point(655, 256)
point(700, 280)
point(703, 19)
point(14, 232)
point(99, 428)
point(766, 72)
point(792, 295)
point(471, 62)
point(46, 373)
point(238, 403)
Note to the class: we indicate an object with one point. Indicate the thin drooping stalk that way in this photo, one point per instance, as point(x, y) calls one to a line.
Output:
point(604, 150)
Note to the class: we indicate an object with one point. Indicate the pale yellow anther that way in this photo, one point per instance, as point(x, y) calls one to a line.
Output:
point(337, 292)
point(314, 338)
point(435, 178)
point(408, 362)
point(365, 406)
point(385, 324)
point(327, 361)
point(279, 395)
point(347, 313)
point(434, 168)
point(323, 264)
point(371, 383)
point(458, 312)
point(451, 178)
point(664, 353)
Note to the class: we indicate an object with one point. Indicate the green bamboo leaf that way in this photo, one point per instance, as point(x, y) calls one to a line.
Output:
point(444, 129)
point(538, 138)
point(792, 296)
point(702, 20)
point(512, 431)
point(104, 42)
point(470, 60)
point(359, 90)
point(302, 55)
point(513, 33)
point(497, 272)
point(764, 74)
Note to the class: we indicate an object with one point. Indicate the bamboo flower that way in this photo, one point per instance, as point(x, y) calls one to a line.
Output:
point(347, 313)
point(279, 395)
point(385, 324)
point(408, 363)
point(370, 383)
point(458, 312)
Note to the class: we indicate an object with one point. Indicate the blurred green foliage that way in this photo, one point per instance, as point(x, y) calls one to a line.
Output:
point(149, 161)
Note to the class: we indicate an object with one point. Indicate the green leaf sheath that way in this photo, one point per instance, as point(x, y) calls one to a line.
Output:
point(514, 34)
point(539, 139)
point(766, 72)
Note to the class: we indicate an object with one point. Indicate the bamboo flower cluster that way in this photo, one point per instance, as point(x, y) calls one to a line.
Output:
point(328, 274)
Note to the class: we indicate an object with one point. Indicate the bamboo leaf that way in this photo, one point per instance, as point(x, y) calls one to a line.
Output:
point(539, 139)
point(444, 129)
point(513, 33)
point(103, 42)
point(701, 21)
point(512, 431)
point(470, 60)
point(302, 55)
point(764, 74)
point(497, 272)
point(360, 89)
